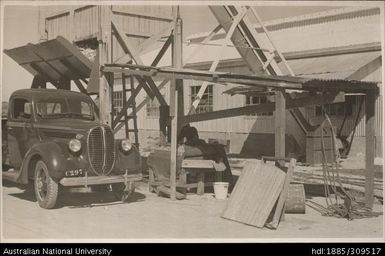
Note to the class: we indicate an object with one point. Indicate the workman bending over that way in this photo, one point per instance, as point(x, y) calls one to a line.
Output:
point(189, 136)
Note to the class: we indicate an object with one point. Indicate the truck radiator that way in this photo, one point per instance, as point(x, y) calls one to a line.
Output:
point(101, 150)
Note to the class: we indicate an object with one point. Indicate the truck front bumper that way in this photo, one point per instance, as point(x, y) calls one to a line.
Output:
point(97, 180)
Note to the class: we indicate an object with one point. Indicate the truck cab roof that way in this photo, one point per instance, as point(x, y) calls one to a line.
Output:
point(42, 93)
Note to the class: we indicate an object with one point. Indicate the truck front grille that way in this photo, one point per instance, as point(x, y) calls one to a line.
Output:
point(101, 150)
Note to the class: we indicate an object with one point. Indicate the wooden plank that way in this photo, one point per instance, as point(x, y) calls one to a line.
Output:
point(218, 57)
point(140, 14)
point(168, 192)
point(268, 107)
point(154, 38)
point(201, 164)
point(267, 33)
point(224, 18)
point(295, 202)
point(279, 209)
point(378, 190)
point(370, 106)
point(205, 40)
point(255, 194)
point(214, 77)
point(162, 51)
point(145, 86)
point(104, 87)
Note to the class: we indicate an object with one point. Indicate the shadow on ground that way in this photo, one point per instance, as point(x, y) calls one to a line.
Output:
point(72, 199)
point(94, 199)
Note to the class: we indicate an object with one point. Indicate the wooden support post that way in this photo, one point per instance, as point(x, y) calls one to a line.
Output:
point(104, 88)
point(174, 104)
point(370, 102)
point(124, 91)
point(280, 124)
point(38, 83)
point(65, 84)
point(164, 114)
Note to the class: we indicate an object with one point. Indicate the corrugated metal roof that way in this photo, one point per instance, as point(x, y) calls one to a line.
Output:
point(303, 20)
point(328, 67)
point(331, 67)
point(260, 81)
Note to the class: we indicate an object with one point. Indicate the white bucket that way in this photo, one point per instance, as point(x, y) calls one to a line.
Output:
point(220, 190)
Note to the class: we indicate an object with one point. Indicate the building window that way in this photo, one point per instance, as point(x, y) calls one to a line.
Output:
point(256, 100)
point(152, 107)
point(337, 109)
point(117, 100)
point(206, 102)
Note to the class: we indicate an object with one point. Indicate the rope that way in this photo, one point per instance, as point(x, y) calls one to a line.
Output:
point(340, 203)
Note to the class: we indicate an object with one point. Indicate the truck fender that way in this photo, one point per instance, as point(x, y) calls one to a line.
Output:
point(50, 153)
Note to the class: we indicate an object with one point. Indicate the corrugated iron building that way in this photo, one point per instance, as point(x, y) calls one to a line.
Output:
point(343, 43)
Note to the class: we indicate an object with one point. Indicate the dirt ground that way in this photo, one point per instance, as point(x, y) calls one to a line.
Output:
point(90, 215)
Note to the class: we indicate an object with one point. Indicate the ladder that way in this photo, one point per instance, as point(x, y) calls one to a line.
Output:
point(132, 118)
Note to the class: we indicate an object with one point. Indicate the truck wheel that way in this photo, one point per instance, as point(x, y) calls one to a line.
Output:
point(46, 189)
point(120, 193)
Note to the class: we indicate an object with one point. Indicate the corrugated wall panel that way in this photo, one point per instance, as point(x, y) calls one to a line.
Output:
point(341, 32)
point(135, 20)
point(138, 27)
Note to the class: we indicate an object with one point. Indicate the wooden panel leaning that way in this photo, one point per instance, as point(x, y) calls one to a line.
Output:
point(256, 193)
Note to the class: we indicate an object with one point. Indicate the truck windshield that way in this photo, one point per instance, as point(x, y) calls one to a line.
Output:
point(70, 107)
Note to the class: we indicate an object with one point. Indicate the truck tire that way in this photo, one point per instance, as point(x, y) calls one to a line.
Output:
point(118, 189)
point(46, 189)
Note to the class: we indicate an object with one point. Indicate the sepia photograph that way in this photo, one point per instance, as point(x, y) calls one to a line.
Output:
point(191, 121)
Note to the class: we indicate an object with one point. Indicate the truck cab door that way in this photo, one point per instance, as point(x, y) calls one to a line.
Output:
point(20, 130)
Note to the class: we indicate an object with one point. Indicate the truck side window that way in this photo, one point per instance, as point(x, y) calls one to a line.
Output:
point(22, 109)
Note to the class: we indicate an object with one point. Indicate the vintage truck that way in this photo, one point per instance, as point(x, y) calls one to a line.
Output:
point(54, 138)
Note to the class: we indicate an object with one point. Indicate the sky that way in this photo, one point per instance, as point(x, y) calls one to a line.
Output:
point(21, 26)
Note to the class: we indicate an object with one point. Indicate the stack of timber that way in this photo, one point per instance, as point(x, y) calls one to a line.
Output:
point(314, 176)
point(348, 181)
point(259, 193)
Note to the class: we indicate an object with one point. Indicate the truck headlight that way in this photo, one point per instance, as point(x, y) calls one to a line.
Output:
point(74, 145)
point(126, 145)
